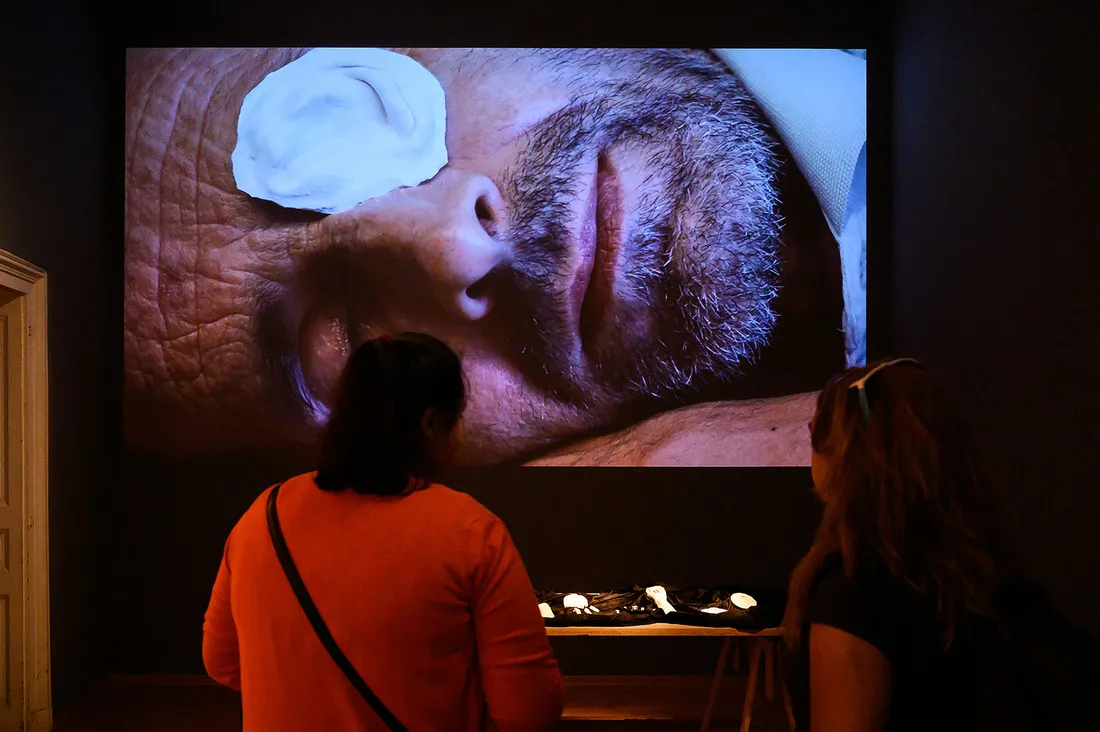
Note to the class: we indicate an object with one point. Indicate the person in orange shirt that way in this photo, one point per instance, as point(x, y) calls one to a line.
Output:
point(420, 586)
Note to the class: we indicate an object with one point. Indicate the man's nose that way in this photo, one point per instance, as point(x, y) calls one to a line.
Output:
point(447, 228)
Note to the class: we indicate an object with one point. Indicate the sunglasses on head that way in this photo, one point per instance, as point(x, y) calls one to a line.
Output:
point(860, 384)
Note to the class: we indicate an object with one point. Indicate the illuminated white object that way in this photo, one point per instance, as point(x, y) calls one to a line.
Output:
point(714, 610)
point(545, 611)
point(575, 601)
point(743, 601)
point(661, 598)
point(340, 126)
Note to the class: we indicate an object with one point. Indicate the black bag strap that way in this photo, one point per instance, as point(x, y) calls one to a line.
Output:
point(315, 617)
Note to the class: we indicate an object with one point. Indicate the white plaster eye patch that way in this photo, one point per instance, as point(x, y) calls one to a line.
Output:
point(575, 601)
point(340, 126)
point(743, 601)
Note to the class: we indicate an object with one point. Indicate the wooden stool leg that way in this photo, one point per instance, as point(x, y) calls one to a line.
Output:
point(723, 660)
point(769, 669)
point(750, 689)
point(785, 690)
point(787, 703)
point(737, 643)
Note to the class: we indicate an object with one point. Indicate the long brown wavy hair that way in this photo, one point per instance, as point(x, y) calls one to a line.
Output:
point(902, 483)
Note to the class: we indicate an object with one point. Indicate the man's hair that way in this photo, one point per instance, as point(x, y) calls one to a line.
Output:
point(903, 488)
point(375, 442)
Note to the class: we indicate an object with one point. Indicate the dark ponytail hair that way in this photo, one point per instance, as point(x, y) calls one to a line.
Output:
point(375, 441)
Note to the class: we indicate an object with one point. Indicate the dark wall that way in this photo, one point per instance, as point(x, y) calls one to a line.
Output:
point(53, 212)
point(577, 529)
point(994, 257)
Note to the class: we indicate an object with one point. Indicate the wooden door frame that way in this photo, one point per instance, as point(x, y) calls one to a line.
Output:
point(29, 282)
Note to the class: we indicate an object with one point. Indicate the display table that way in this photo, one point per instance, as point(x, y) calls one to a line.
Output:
point(763, 646)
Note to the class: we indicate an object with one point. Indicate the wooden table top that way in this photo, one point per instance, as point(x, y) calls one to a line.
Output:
point(662, 630)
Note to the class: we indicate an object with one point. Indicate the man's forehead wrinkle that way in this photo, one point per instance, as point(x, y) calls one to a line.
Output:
point(195, 203)
point(167, 281)
point(229, 354)
point(181, 235)
point(276, 248)
point(238, 320)
point(227, 76)
point(222, 265)
point(150, 273)
point(140, 176)
point(286, 247)
point(136, 120)
point(180, 239)
point(200, 254)
point(143, 349)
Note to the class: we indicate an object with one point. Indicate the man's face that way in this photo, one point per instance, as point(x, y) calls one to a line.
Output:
point(601, 242)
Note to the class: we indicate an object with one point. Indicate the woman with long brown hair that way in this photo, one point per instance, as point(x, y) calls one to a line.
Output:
point(883, 610)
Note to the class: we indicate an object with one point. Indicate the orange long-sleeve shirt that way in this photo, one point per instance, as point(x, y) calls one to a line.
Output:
point(425, 594)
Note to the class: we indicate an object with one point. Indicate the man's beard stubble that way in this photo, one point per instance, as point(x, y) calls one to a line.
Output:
point(701, 256)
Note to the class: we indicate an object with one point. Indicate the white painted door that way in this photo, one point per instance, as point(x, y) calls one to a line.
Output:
point(12, 323)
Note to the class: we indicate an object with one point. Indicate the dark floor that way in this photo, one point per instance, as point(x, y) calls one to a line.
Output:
point(672, 704)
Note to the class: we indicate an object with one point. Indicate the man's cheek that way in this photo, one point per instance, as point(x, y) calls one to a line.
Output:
point(144, 332)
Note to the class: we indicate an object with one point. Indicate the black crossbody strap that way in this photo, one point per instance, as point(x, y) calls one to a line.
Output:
point(317, 622)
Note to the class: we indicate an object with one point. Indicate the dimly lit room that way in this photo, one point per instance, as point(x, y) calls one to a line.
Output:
point(549, 372)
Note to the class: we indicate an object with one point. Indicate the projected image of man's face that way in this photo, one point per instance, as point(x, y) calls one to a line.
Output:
point(603, 244)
